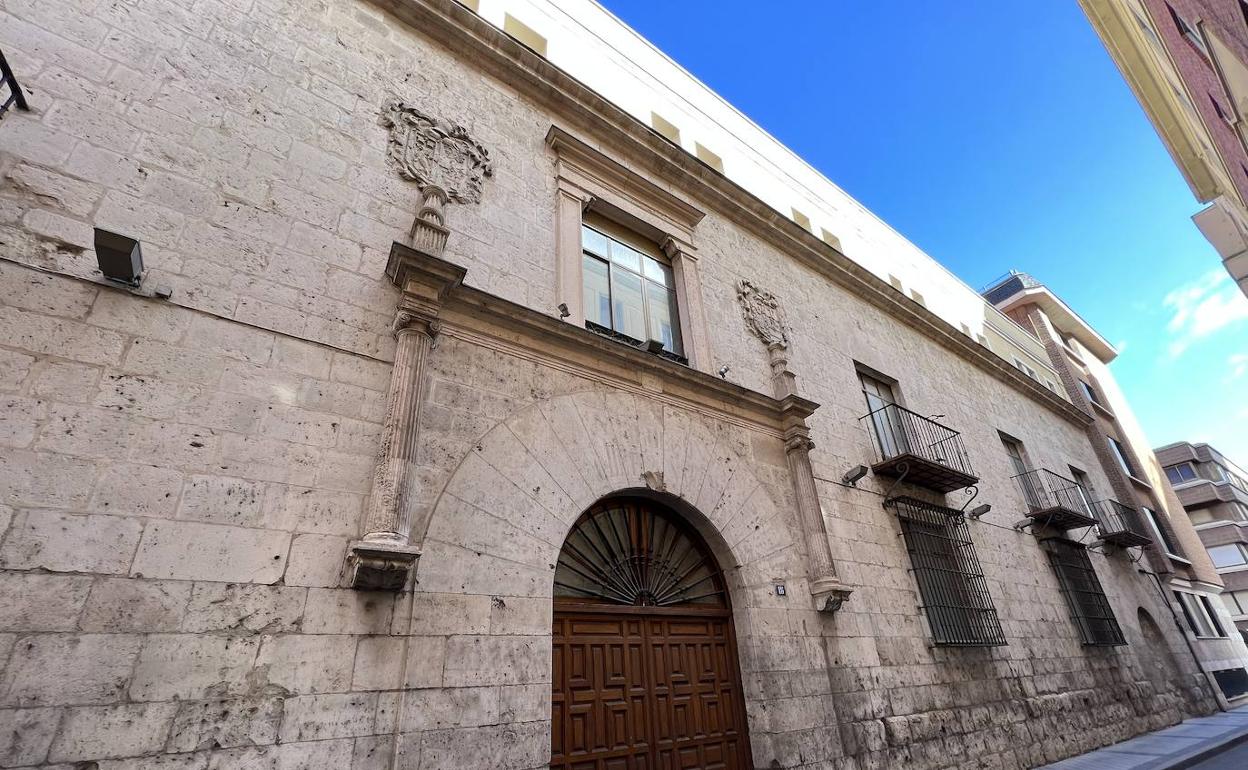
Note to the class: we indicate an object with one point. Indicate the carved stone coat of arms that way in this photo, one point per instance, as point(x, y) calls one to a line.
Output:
point(763, 313)
point(431, 151)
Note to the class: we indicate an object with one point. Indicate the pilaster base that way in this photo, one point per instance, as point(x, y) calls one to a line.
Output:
point(381, 565)
point(829, 594)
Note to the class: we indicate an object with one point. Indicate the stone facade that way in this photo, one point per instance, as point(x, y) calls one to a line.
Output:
point(182, 480)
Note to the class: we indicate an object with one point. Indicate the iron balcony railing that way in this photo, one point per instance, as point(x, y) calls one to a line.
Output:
point(15, 95)
point(1120, 524)
point(1055, 499)
point(934, 453)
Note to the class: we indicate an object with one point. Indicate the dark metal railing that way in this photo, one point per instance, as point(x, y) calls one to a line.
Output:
point(897, 431)
point(1045, 490)
point(953, 591)
point(15, 95)
point(1114, 518)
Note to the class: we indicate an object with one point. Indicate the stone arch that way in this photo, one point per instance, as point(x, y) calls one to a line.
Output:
point(513, 498)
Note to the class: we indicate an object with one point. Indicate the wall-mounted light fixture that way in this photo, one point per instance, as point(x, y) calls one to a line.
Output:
point(979, 510)
point(723, 371)
point(563, 310)
point(120, 258)
point(854, 475)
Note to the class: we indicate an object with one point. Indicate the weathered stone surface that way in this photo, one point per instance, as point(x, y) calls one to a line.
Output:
point(244, 609)
point(307, 664)
point(26, 734)
point(141, 606)
point(213, 724)
point(90, 669)
point(98, 732)
point(70, 543)
point(193, 551)
point(320, 717)
point(34, 602)
point(192, 666)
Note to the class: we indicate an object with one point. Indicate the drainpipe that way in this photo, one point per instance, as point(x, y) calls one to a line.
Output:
point(1213, 687)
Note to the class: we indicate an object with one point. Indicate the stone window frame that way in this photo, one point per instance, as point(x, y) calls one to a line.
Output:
point(589, 180)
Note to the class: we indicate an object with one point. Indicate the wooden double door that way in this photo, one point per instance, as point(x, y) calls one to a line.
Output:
point(646, 688)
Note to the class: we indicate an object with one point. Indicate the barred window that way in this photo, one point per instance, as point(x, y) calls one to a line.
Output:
point(1089, 608)
point(952, 587)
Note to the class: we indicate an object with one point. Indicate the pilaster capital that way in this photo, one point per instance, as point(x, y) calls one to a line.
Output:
point(797, 439)
point(416, 321)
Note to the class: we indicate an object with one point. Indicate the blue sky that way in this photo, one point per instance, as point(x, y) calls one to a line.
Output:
point(995, 136)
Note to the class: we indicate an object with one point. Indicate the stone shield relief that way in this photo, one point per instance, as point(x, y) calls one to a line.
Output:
point(431, 151)
point(763, 314)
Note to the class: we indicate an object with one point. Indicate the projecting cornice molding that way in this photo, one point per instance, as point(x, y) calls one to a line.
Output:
point(466, 34)
point(468, 313)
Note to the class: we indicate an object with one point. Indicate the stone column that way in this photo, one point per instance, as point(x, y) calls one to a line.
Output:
point(570, 208)
point(384, 557)
point(689, 300)
point(765, 318)
point(826, 587)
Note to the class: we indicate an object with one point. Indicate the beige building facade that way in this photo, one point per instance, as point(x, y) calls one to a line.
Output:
point(1141, 500)
point(462, 420)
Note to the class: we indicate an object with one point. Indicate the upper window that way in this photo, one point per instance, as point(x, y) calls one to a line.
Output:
point(1162, 533)
point(1199, 615)
point(1188, 31)
point(1124, 459)
point(1236, 602)
point(1091, 393)
point(1025, 369)
point(1239, 511)
point(629, 287)
point(1083, 481)
point(1230, 555)
point(1014, 449)
point(1181, 473)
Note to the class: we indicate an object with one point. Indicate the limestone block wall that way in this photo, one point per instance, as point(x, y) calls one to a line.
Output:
point(180, 479)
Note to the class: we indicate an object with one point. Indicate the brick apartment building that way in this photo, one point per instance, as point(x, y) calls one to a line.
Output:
point(1187, 62)
point(1213, 490)
point(483, 403)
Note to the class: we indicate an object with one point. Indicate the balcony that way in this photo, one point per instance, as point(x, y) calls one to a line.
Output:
point(1120, 525)
point(922, 450)
point(1055, 500)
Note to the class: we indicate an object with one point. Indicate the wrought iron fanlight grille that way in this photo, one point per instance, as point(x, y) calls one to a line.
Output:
point(951, 583)
point(632, 552)
point(1089, 608)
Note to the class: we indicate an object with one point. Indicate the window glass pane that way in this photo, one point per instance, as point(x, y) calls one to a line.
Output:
point(597, 291)
point(1186, 471)
point(1227, 556)
point(1196, 614)
point(627, 307)
point(626, 256)
point(657, 271)
point(661, 303)
point(1212, 615)
point(595, 242)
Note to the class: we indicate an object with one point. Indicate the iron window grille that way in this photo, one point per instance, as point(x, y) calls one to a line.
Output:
point(952, 587)
point(15, 95)
point(1089, 608)
point(934, 455)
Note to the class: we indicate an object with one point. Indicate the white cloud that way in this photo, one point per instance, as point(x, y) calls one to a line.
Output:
point(1238, 363)
point(1202, 307)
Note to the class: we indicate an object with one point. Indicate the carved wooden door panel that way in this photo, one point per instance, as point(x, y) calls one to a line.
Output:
point(643, 692)
point(645, 664)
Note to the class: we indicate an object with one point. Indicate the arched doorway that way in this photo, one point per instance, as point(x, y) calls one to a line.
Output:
point(646, 673)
